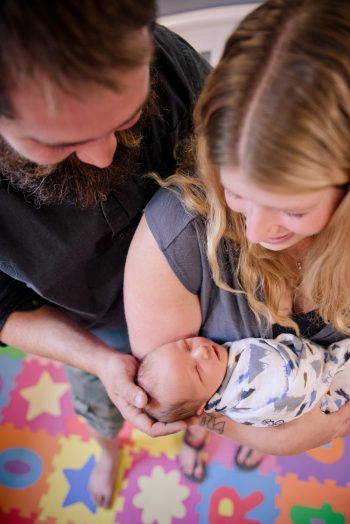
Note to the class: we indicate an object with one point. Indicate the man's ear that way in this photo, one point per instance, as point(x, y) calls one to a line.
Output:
point(201, 409)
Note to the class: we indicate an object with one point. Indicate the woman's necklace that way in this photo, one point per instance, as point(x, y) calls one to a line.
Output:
point(299, 264)
point(296, 263)
point(297, 255)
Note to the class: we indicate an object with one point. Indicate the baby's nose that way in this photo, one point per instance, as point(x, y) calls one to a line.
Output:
point(202, 351)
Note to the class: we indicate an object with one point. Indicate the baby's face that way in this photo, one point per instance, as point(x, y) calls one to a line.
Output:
point(191, 368)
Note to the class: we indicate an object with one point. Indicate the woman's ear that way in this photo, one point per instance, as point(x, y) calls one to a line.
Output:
point(201, 409)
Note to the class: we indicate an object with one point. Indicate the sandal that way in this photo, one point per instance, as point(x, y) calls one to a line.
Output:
point(245, 467)
point(198, 448)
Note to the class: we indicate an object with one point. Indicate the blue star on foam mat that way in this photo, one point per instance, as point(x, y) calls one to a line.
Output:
point(78, 482)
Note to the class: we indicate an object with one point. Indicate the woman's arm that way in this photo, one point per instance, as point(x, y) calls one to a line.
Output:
point(313, 429)
point(158, 307)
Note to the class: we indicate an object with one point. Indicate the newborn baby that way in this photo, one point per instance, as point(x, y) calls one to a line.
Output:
point(262, 382)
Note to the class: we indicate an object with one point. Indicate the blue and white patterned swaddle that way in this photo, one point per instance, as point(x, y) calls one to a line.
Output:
point(272, 381)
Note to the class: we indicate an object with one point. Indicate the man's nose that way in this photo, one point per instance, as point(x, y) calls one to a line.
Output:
point(260, 224)
point(98, 153)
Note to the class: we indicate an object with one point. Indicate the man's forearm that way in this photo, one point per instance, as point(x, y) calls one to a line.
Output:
point(49, 333)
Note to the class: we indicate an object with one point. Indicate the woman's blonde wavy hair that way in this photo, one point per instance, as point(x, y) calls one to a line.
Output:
point(278, 107)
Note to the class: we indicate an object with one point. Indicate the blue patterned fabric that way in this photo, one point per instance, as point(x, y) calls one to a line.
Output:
point(272, 381)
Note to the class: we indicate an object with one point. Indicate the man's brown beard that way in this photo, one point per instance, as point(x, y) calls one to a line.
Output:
point(71, 181)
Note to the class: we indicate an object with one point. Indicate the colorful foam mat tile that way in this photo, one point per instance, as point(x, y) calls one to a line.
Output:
point(325, 462)
point(25, 463)
point(67, 498)
point(312, 502)
point(31, 406)
point(9, 370)
point(156, 491)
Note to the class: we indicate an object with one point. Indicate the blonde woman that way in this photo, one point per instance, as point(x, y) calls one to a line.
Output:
point(258, 243)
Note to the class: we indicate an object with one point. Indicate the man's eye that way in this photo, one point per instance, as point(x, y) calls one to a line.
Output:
point(59, 149)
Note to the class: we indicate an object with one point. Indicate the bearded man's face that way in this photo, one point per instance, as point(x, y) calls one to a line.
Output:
point(63, 147)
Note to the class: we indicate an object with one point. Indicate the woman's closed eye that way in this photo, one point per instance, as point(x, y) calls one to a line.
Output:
point(234, 201)
point(295, 214)
point(232, 195)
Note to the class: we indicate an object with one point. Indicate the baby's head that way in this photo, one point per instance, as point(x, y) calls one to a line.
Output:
point(180, 377)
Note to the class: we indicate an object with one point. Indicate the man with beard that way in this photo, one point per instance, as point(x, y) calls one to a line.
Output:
point(93, 96)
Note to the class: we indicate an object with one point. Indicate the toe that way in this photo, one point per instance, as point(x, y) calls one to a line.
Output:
point(198, 470)
point(243, 455)
point(254, 458)
point(103, 502)
point(248, 458)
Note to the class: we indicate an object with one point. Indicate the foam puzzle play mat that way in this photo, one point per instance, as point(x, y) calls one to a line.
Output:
point(47, 455)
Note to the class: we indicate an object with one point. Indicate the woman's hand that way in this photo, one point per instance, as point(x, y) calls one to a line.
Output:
point(117, 375)
point(341, 421)
point(312, 430)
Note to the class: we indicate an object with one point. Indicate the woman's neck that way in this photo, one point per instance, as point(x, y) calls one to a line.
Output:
point(299, 250)
point(295, 256)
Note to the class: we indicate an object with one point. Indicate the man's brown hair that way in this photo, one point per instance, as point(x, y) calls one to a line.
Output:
point(71, 41)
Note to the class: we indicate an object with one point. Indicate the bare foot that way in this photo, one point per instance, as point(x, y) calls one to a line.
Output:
point(191, 459)
point(102, 479)
point(248, 458)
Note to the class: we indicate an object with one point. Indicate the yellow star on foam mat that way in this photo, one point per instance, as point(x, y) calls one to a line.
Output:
point(44, 396)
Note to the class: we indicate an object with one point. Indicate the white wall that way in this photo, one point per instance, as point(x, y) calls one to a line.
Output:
point(207, 29)
point(170, 7)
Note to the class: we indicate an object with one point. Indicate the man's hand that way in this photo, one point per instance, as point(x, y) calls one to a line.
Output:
point(49, 333)
point(117, 375)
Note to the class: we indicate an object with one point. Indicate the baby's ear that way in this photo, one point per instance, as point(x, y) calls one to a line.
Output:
point(200, 410)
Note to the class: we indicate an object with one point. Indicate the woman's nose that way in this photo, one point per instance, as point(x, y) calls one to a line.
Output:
point(98, 153)
point(260, 224)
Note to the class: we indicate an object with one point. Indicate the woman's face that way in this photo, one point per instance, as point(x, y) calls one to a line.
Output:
point(278, 220)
